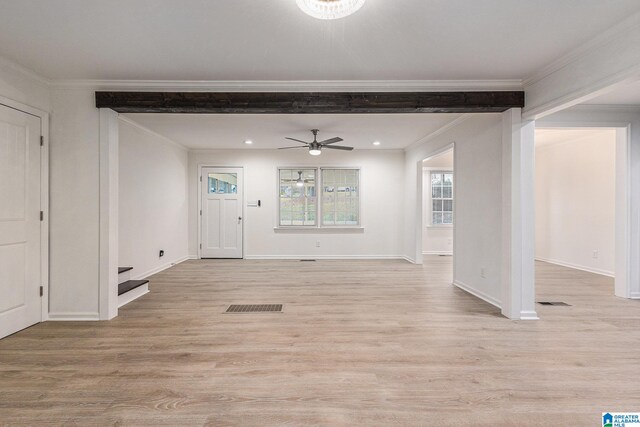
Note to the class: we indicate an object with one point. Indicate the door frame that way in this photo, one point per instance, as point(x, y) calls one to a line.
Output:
point(201, 166)
point(44, 197)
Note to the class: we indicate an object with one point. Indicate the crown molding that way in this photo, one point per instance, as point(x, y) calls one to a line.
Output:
point(4, 62)
point(297, 85)
point(151, 132)
point(453, 123)
point(583, 50)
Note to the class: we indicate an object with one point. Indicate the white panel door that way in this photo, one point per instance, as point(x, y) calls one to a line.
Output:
point(221, 214)
point(20, 275)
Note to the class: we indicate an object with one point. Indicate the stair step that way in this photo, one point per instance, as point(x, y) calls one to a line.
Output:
point(124, 269)
point(129, 285)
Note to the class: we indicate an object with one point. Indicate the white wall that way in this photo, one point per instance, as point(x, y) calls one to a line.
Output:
point(382, 201)
point(478, 201)
point(436, 240)
point(153, 208)
point(575, 202)
point(75, 204)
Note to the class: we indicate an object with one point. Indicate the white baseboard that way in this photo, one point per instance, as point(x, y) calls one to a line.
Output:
point(73, 317)
point(477, 293)
point(159, 269)
point(577, 267)
point(411, 260)
point(193, 257)
point(133, 294)
point(529, 315)
point(449, 253)
point(634, 295)
point(335, 257)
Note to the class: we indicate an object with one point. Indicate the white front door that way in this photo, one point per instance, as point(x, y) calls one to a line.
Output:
point(20, 275)
point(221, 214)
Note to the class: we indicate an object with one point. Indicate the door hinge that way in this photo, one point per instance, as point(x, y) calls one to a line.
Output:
point(200, 178)
point(200, 245)
point(41, 216)
point(41, 290)
point(200, 212)
point(41, 140)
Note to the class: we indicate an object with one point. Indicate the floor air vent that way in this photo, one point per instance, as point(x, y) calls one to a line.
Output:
point(255, 308)
point(554, 303)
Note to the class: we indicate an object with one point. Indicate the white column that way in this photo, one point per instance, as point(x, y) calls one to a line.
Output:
point(518, 216)
point(108, 214)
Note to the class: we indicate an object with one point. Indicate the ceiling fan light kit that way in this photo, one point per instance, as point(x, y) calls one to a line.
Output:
point(329, 9)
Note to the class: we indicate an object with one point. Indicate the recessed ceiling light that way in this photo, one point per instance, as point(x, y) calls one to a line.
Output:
point(376, 143)
point(329, 9)
point(248, 142)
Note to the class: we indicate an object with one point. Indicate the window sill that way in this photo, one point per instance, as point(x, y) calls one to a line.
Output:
point(440, 226)
point(319, 230)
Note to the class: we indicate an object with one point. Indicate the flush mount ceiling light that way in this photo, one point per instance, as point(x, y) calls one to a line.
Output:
point(329, 9)
point(376, 143)
point(248, 142)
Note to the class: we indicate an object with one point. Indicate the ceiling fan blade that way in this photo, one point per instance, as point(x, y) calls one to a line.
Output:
point(296, 140)
point(331, 141)
point(337, 147)
point(287, 148)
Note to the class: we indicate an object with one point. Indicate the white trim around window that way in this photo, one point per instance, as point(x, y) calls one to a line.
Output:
point(428, 200)
point(319, 226)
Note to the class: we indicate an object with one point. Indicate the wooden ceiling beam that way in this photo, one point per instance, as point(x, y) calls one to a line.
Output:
point(310, 102)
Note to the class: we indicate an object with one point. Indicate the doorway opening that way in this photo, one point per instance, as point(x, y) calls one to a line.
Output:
point(438, 216)
point(579, 178)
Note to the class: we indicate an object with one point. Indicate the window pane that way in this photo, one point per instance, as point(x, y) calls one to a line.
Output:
point(447, 205)
point(447, 192)
point(437, 218)
point(436, 179)
point(448, 179)
point(340, 197)
point(436, 192)
point(436, 206)
point(298, 201)
point(223, 183)
point(447, 218)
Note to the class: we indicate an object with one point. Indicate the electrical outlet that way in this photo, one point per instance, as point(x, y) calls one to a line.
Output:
point(595, 254)
point(317, 243)
point(483, 273)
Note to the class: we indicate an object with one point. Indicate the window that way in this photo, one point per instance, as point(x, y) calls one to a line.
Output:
point(223, 183)
point(442, 198)
point(301, 202)
point(340, 197)
point(298, 201)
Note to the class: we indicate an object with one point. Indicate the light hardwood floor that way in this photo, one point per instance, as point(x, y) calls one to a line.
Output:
point(359, 343)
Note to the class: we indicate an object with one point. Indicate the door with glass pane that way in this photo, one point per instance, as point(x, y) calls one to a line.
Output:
point(221, 213)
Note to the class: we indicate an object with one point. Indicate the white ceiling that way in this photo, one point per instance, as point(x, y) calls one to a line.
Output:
point(274, 40)
point(628, 94)
point(229, 131)
point(546, 137)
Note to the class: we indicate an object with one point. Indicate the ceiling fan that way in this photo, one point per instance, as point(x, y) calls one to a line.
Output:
point(315, 147)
